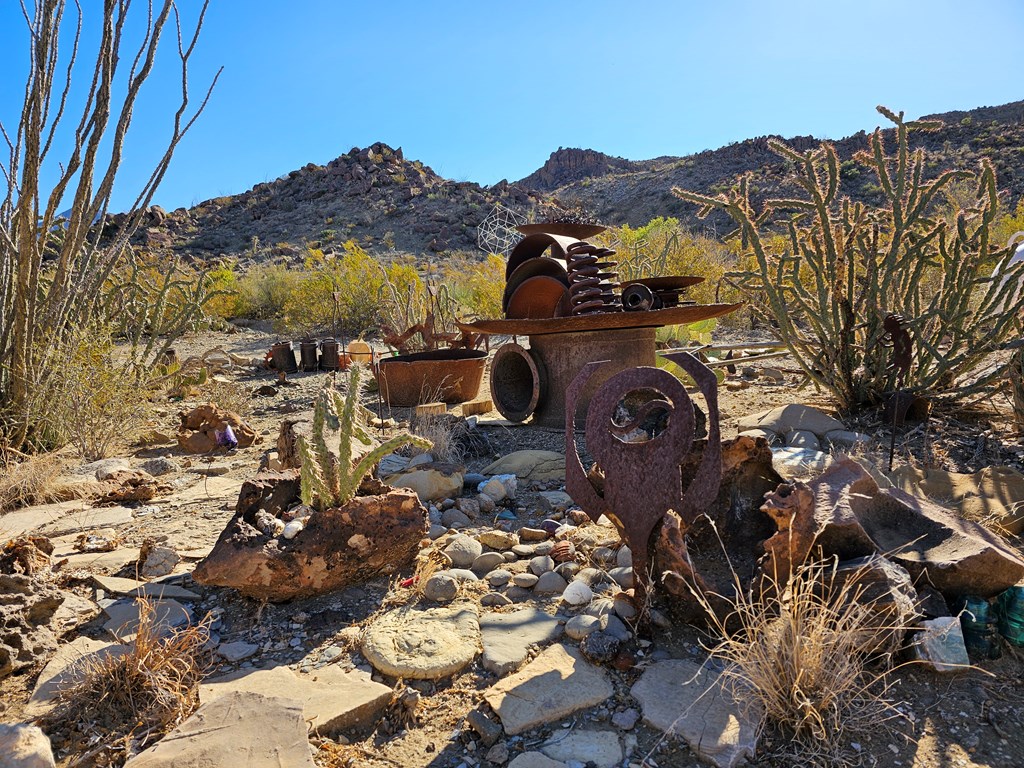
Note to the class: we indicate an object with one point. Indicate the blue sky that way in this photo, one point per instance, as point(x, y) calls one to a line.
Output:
point(482, 91)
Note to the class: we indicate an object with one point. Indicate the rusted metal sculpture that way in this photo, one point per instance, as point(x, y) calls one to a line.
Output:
point(899, 339)
point(642, 480)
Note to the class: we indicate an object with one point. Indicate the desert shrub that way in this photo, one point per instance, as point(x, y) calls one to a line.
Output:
point(228, 396)
point(30, 480)
point(341, 293)
point(664, 247)
point(476, 286)
point(223, 281)
point(99, 400)
point(264, 290)
point(135, 697)
point(848, 265)
point(796, 652)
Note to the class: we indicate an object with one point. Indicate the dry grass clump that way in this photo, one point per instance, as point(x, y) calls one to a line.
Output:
point(795, 651)
point(441, 431)
point(129, 701)
point(229, 396)
point(31, 480)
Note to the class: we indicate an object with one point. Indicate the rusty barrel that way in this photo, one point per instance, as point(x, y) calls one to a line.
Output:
point(533, 381)
point(308, 349)
point(283, 357)
point(331, 356)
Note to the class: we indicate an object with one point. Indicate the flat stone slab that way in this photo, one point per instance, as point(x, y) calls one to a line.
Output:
point(64, 670)
point(529, 465)
point(507, 637)
point(124, 617)
point(332, 699)
point(95, 561)
point(552, 686)
point(423, 643)
point(602, 748)
point(116, 585)
point(535, 760)
point(687, 699)
point(236, 729)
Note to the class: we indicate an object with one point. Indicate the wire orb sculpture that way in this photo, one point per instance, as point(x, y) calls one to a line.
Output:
point(497, 233)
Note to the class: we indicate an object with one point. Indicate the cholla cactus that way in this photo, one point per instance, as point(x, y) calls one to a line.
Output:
point(328, 480)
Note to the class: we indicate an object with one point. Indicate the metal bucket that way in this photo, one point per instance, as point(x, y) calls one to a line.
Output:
point(331, 356)
point(1011, 615)
point(282, 357)
point(308, 352)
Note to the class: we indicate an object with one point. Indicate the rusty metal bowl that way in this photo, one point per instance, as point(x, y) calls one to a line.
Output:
point(444, 375)
point(536, 298)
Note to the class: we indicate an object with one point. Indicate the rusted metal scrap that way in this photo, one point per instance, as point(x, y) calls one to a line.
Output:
point(898, 338)
point(592, 288)
point(642, 480)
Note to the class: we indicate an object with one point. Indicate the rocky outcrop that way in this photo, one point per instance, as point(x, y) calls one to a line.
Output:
point(334, 548)
point(565, 166)
point(201, 428)
point(26, 608)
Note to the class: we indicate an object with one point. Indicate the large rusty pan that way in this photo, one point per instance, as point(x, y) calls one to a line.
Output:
point(446, 375)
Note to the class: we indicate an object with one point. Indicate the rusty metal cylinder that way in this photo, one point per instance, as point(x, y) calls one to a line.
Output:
point(283, 357)
point(533, 382)
point(308, 352)
point(329, 355)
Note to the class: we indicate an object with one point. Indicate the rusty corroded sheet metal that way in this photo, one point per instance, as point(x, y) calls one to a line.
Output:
point(603, 321)
point(642, 480)
point(592, 287)
point(898, 337)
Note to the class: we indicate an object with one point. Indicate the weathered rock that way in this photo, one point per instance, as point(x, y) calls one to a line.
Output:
point(198, 430)
point(26, 609)
point(101, 469)
point(498, 540)
point(337, 547)
point(469, 507)
point(527, 698)
point(156, 561)
point(236, 729)
point(845, 439)
point(622, 576)
point(533, 534)
point(332, 699)
point(786, 418)
point(115, 585)
point(541, 564)
point(766, 434)
point(431, 482)
point(236, 651)
point(802, 438)
point(453, 518)
point(488, 730)
point(487, 562)
point(956, 556)
point(123, 621)
point(499, 577)
point(887, 590)
point(507, 637)
point(685, 699)
point(554, 501)
point(538, 466)
point(580, 626)
point(577, 593)
point(441, 588)
point(601, 647)
point(535, 760)
point(161, 465)
point(495, 600)
point(549, 583)
point(463, 551)
point(127, 486)
point(64, 670)
point(423, 644)
point(800, 463)
point(525, 580)
point(24, 746)
point(600, 748)
point(994, 494)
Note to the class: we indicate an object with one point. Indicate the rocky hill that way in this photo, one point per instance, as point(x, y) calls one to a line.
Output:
point(373, 195)
point(386, 202)
point(635, 192)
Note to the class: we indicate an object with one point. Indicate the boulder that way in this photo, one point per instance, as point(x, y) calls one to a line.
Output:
point(786, 418)
point(26, 609)
point(368, 536)
point(886, 589)
point(423, 643)
point(802, 438)
point(431, 482)
point(538, 466)
point(843, 512)
point(200, 426)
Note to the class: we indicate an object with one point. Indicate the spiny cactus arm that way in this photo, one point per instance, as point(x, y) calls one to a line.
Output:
point(348, 418)
point(351, 481)
point(324, 419)
point(312, 489)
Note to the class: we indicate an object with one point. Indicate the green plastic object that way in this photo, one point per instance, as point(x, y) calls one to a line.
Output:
point(978, 619)
point(1011, 615)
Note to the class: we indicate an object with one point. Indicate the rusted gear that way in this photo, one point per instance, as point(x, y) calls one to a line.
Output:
point(643, 479)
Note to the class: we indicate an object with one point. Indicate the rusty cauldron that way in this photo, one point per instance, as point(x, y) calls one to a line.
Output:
point(444, 375)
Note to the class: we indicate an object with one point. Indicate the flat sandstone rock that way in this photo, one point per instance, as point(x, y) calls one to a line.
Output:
point(423, 644)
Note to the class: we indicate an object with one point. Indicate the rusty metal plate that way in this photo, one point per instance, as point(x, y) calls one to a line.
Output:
point(542, 265)
point(537, 298)
point(534, 246)
point(603, 321)
point(565, 229)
